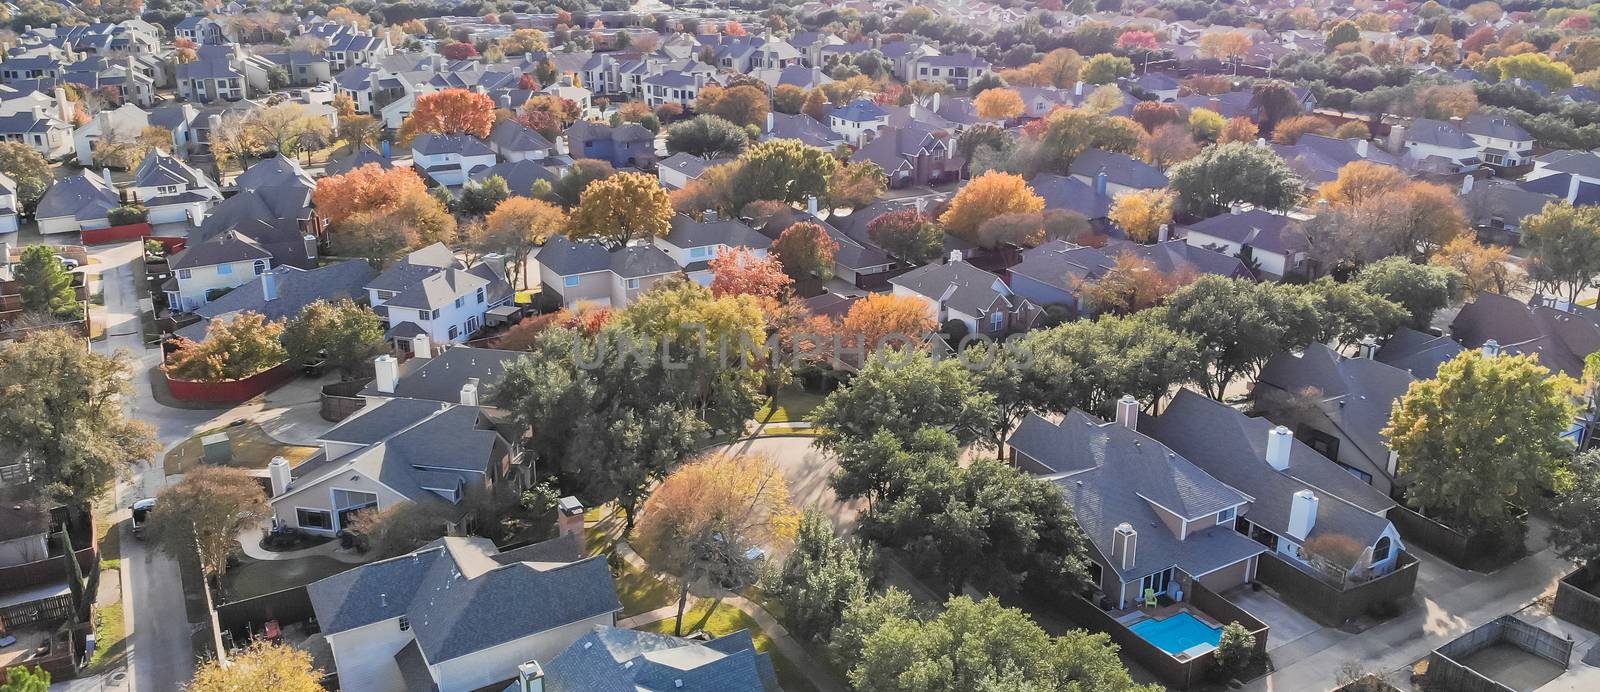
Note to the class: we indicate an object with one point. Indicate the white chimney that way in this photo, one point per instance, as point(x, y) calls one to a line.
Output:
point(1466, 183)
point(811, 205)
point(1302, 514)
point(1278, 445)
point(530, 677)
point(278, 471)
point(269, 286)
point(955, 256)
point(311, 246)
point(1124, 546)
point(469, 392)
point(63, 106)
point(421, 347)
point(1572, 188)
point(1077, 88)
point(387, 370)
point(1165, 234)
point(1128, 412)
point(1361, 148)
point(1369, 347)
point(1235, 208)
point(105, 174)
point(1491, 348)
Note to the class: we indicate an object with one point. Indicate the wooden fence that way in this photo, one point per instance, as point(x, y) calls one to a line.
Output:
point(114, 234)
point(53, 609)
point(231, 391)
point(1478, 551)
point(1446, 672)
point(241, 620)
point(1332, 605)
point(341, 400)
point(1575, 603)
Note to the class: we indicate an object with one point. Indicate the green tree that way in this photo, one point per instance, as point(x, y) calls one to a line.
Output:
point(855, 185)
point(1106, 68)
point(1344, 32)
point(902, 393)
point(1531, 66)
point(213, 503)
point(1001, 369)
point(344, 334)
point(908, 235)
point(25, 679)
point(1238, 324)
point(974, 645)
point(1235, 651)
point(28, 169)
point(783, 170)
point(1090, 364)
point(62, 414)
point(1563, 245)
point(483, 197)
point(45, 284)
point(708, 136)
point(577, 179)
point(1472, 462)
point(1236, 172)
point(1575, 531)
point(820, 577)
point(1420, 289)
point(712, 340)
point(1350, 313)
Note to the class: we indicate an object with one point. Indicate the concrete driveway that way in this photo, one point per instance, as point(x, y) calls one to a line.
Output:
point(807, 471)
point(1287, 624)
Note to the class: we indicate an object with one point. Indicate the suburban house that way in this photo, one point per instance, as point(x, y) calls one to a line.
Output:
point(802, 127)
point(959, 70)
point(962, 292)
point(212, 78)
point(857, 120)
point(353, 49)
point(1418, 353)
point(912, 155)
point(433, 293)
point(443, 456)
point(613, 659)
point(628, 144)
point(272, 208)
point(304, 68)
point(437, 378)
point(1558, 332)
point(587, 272)
point(1309, 511)
point(1266, 242)
point(520, 176)
point(8, 204)
point(172, 191)
point(1091, 199)
point(40, 129)
point(1053, 273)
point(693, 244)
point(1502, 143)
point(1496, 208)
point(514, 141)
point(281, 293)
point(1155, 521)
point(361, 157)
point(204, 271)
point(678, 170)
point(1122, 173)
point(1338, 406)
point(1438, 146)
point(448, 159)
point(1318, 158)
point(119, 125)
point(77, 202)
point(202, 30)
point(459, 615)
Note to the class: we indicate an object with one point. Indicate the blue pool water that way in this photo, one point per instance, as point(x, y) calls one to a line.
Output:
point(1177, 633)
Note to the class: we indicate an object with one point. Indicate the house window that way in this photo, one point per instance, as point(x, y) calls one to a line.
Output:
point(405, 623)
point(1380, 551)
point(480, 296)
point(1226, 516)
point(997, 321)
point(260, 267)
point(454, 332)
point(422, 315)
point(434, 314)
point(224, 269)
point(314, 518)
point(183, 273)
point(633, 283)
point(460, 302)
point(570, 281)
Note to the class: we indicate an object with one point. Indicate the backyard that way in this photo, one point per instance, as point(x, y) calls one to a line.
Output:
point(713, 618)
point(251, 577)
point(251, 448)
point(791, 405)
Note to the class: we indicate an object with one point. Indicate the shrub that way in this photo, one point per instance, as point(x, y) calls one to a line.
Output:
point(1235, 651)
point(128, 214)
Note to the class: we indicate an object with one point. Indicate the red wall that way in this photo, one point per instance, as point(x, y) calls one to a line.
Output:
point(231, 391)
point(115, 234)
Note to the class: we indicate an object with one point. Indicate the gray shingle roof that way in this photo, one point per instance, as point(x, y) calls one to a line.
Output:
point(84, 196)
point(514, 136)
point(440, 378)
point(230, 246)
point(1417, 353)
point(1561, 340)
point(957, 285)
point(296, 288)
point(1485, 125)
point(613, 659)
point(466, 145)
point(687, 233)
point(1259, 229)
point(567, 258)
point(1120, 169)
point(1062, 192)
point(1439, 134)
point(1356, 395)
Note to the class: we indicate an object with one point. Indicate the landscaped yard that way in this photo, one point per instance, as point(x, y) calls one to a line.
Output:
point(642, 592)
point(791, 405)
point(716, 619)
point(256, 577)
point(252, 448)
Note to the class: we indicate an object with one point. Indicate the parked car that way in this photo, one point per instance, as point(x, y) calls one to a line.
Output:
point(141, 514)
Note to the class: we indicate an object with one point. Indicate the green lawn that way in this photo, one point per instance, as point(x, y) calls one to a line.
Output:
point(791, 405)
point(642, 592)
point(109, 633)
point(717, 620)
point(252, 448)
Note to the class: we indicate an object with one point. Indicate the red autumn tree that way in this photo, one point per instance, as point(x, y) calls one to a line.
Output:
point(1152, 115)
point(526, 81)
point(370, 188)
point(806, 250)
point(739, 272)
point(1137, 40)
point(459, 51)
point(451, 112)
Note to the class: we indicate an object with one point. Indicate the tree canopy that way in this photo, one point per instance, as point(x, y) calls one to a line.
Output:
point(621, 208)
point(261, 666)
point(45, 285)
point(343, 333)
point(233, 349)
point(205, 512)
point(707, 136)
point(1227, 173)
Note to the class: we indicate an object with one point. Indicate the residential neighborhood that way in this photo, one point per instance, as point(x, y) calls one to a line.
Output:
point(585, 345)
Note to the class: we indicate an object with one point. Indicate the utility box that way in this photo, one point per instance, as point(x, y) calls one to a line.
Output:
point(218, 449)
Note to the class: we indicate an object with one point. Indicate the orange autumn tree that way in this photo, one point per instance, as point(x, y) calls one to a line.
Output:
point(1239, 129)
point(1000, 104)
point(740, 272)
point(370, 188)
point(450, 112)
point(1142, 212)
point(806, 250)
point(987, 196)
point(1360, 181)
point(1132, 284)
point(874, 319)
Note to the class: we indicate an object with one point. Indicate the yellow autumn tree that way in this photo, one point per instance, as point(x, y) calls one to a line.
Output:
point(623, 207)
point(1141, 213)
point(1000, 104)
point(987, 196)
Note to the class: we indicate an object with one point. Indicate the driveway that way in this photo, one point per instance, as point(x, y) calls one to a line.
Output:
point(1286, 624)
point(806, 469)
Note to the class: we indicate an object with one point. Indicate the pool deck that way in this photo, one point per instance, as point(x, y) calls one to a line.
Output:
point(1127, 615)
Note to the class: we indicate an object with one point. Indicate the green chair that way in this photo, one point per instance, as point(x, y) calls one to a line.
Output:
point(1149, 598)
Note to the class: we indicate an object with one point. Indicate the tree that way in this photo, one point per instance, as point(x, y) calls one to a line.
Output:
point(483, 196)
point(450, 112)
point(1421, 289)
point(1483, 268)
point(1206, 125)
point(704, 519)
point(1532, 67)
point(1103, 100)
point(1471, 462)
point(570, 187)
point(715, 343)
point(343, 334)
point(1359, 181)
point(1342, 33)
point(28, 169)
point(1236, 650)
point(907, 235)
point(25, 679)
point(282, 128)
point(399, 528)
point(816, 105)
point(1225, 46)
point(1347, 312)
point(784, 170)
point(1022, 229)
point(707, 136)
point(1563, 244)
point(820, 577)
point(1141, 213)
point(376, 237)
point(370, 188)
point(519, 226)
point(359, 130)
point(621, 208)
point(1227, 173)
point(1106, 68)
point(788, 99)
point(72, 435)
point(1169, 144)
point(900, 394)
point(743, 105)
point(1133, 283)
point(1290, 130)
point(1068, 132)
point(261, 666)
point(806, 251)
point(233, 350)
point(1090, 364)
point(215, 503)
point(458, 50)
point(1000, 104)
point(523, 41)
point(972, 645)
point(1059, 68)
point(1151, 115)
point(856, 185)
point(1238, 129)
point(1575, 531)
point(739, 272)
point(1213, 310)
point(1273, 101)
point(987, 196)
point(1354, 129)
point(45, 285)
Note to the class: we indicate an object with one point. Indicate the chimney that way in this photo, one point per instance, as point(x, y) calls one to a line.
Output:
point(1302, 514)
point(278, 471)
point(1235, 208)
point(936, 101)
point(811, 205)
point(1466, 183)
point(63, 106)
point(105, 174)
point(1124, 546)
point(1128, 412)
point(421, 347)
point(569, 516)
point(1361, 148)
point(387, 373)
point(530, 677)
point(953, 257)
point(1369, 347)
point(1491, 348)
point(269, 286)
point(311, 246)
point(1077, 88)
point(1572, 188)
point(1261, 141)
point(710, 215)
point(1279, 441)
point(1165, 233)
point(770, 118)
point(469, 392)
point(1397, 138)
point(1100, 182)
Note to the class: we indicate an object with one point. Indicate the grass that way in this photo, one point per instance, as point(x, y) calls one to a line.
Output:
point(790, 405)
point(707, 616)
point(252, 448)
point(256, 577)
point(109, 634)
point(642, 592)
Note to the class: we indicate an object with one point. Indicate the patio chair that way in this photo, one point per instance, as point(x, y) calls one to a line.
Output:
point(1149, 598)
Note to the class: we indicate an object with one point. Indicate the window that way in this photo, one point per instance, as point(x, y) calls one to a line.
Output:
point(570, 281)
point(480, 296)
point(422, 315)
point(699, 252)
point(224, 269)
point(434, 314)
point(997, 321)
point(1226, 516)
point(1380, 552)
point(633, 283)
point(314, 519)
point(454, 332)
point(183, 273)
point(405, 623)
point(460, 302)
point(260, 267)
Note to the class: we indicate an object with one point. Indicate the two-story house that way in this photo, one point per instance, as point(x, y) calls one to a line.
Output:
point(40, 130)
point(626, 145)
point(173, 191)
point(1266, 242)
point(693, 244)
point(204, 31)
point(959, 70)
point(355, 49)
point(77, 202)
point(121, 125)
point(1502, 143)
point(857, 120)
point(912, 155)
point(448, 159)
point(211, 267)
point(514, 142)
point(211, 78)
point(431, 292)
point(961, 292)
point(585, 271)
point(303, 68)
point(1438, 146)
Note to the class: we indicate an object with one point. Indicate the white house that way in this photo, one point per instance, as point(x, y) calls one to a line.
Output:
point(857, 120)
point(119, 125)
point(448, 159)
point(8, 204)
point(1262, 240)
point(213, 266)
point(173, 191)
point(693, 244)
point(434, 294)
point(960, 291)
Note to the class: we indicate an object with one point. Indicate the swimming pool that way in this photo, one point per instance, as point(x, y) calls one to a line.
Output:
point(1178, 633)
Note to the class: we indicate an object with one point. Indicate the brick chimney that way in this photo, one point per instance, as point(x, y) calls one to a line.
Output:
point(569, 516)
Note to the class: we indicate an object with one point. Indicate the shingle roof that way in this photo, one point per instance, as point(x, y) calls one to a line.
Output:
point(1439, 134)
point(440, 378)
point(361, 158)
point(296, 288)
point(1417, 353)
point(1356, 395)
point(687, 233)
point(1120, 169)
point(514, 136)
point(613, 659)
point(1258, 229)
point(519, 175)
point(1062, 192)
point(432, 144)
point(1583, 163)
point(1485, 125)
point(567, 258)
point(1561, 340)
point(956, 285)
point(84, 196)
point(231, 246)
point(859, 111)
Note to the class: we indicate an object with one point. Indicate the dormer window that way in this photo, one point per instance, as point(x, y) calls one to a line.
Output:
point(260, 267)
